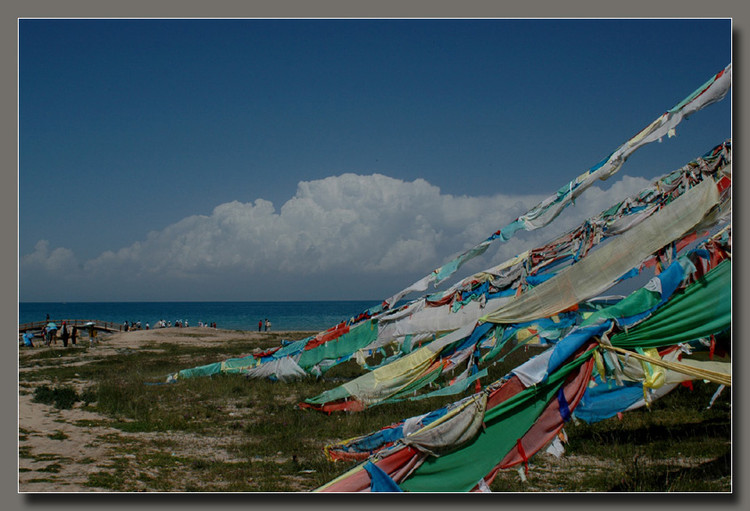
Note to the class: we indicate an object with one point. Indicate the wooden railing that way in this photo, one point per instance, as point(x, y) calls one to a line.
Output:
point(106, 326)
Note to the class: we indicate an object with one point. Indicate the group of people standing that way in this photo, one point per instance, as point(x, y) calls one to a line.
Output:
point(179, 323)
point(262, 324)
point(133, 325)
point(50, 334)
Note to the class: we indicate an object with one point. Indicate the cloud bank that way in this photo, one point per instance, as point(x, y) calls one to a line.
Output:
point(343, 237)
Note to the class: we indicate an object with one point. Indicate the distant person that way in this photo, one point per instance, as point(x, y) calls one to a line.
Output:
point(65, 334)
point(260, 325)
point(268, 325)
point(51, 334)
point(92, 335)
point(146, 325)
point(73, 335)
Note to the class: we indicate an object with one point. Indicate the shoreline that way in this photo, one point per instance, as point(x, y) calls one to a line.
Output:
point(193, 330)
point(292, 316)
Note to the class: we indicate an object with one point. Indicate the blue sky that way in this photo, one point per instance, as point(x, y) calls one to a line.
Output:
point(327, 159)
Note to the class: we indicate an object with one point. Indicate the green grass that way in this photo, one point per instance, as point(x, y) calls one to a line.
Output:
point(230, 433)
point(675, 446)
point(108, 480)
point(54, 468)
point(24, 451)
point(58, 435)
point(60, 397)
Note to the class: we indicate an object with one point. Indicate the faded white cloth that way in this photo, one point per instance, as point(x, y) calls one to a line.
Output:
point(285, 369)
point(452, 430)
point(602, 268)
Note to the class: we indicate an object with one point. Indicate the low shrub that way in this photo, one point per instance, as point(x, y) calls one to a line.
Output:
point(60, 397)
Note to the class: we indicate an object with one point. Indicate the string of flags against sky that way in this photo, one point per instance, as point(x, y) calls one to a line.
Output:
point(542, 214)
point(636, 348)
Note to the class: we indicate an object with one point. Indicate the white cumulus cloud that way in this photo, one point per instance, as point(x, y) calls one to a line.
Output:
point(42, 259)
point(361, 236)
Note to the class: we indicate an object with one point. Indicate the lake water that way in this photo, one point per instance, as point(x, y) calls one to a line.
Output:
point(296, 316)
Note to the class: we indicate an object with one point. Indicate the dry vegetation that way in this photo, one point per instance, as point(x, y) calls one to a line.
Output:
point(103, 419)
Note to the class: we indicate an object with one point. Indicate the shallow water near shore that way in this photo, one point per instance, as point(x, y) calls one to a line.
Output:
point(291, 315)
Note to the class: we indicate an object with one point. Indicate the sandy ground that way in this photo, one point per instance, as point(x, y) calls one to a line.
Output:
point(57, 454)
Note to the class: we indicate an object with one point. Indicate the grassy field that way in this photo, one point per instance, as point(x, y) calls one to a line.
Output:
point(229, 433)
